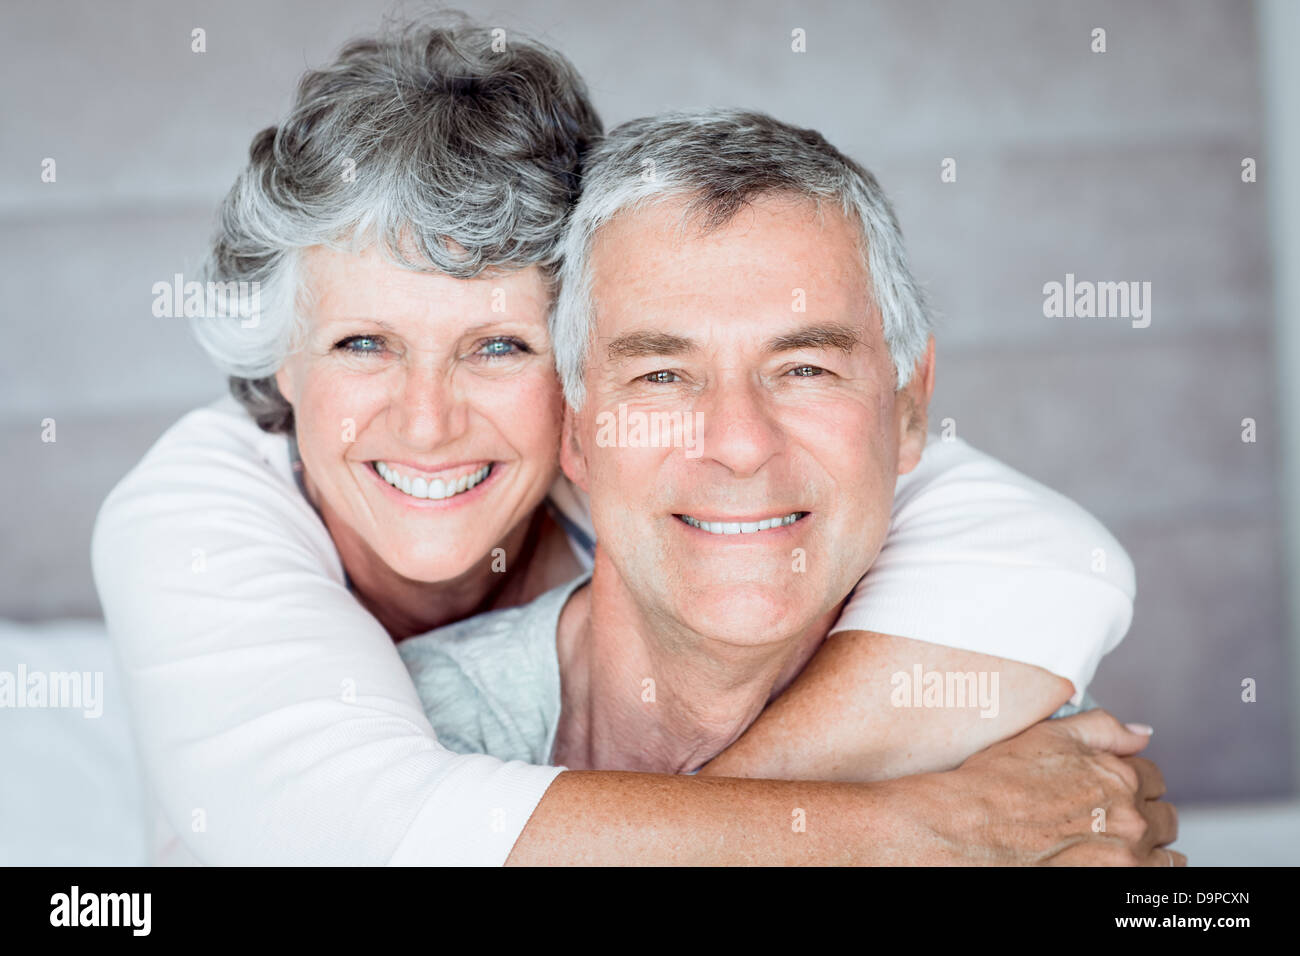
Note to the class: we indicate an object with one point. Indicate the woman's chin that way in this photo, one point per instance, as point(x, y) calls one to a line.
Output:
point(434, 569)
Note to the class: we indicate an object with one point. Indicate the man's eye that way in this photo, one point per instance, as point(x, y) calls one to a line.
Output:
point(361, 344)
point(500, 348)
point(806, 371)
point(660, 378)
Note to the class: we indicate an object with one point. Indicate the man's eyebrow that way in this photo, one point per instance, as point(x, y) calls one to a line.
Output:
point(645, 343)
point(844, 338)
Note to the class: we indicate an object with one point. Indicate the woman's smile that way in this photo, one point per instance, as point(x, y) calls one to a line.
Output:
point(445, 487)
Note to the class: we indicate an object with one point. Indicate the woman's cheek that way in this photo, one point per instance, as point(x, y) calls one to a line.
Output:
point(530, 411)
point(333, 399)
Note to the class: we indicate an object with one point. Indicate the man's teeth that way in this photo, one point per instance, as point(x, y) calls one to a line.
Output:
point(437, 488)
point(742, 527)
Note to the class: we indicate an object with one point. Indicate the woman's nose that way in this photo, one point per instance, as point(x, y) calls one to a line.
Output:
point(425, 410)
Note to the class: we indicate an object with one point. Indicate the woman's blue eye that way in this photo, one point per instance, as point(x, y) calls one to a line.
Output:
point(499, 348)
point(361, 344)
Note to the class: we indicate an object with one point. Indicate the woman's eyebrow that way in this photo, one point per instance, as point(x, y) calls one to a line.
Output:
point(357, 320)
point(380, 323)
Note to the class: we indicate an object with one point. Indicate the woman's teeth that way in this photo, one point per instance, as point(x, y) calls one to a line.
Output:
point(435, 489)
point(742, 527)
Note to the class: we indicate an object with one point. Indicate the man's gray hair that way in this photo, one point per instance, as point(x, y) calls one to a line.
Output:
point(718, 160)
point(451, 146)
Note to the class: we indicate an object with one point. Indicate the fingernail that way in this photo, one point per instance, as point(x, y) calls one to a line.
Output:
point(1145, 730)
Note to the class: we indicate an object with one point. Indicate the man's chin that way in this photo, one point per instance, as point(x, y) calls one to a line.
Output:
point(746, 613)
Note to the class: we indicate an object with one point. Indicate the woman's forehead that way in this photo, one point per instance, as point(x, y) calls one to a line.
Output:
point(370, 282)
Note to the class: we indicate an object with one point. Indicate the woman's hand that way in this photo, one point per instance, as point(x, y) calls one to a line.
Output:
point(1067, 792)
point(1029, 800)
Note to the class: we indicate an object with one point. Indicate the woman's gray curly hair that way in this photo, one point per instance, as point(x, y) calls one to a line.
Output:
point(452, 146)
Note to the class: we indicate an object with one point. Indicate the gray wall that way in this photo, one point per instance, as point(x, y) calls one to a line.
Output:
point(1115, 166)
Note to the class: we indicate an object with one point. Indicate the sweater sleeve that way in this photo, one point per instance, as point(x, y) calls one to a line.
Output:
point(274, 717)
point(982, 558)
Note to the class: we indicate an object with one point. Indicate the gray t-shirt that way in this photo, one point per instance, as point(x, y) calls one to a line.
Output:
point(491, 684)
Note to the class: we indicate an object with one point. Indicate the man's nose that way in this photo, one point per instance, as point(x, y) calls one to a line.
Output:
point(739, 427)
point(425, 409)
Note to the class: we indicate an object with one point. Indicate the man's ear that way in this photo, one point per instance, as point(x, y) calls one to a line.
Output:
point(572, 459)
point(914, 406)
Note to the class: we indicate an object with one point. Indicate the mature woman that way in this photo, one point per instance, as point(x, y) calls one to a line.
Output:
point(391, 466)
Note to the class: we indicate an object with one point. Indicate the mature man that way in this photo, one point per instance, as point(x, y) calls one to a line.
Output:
point(733, 274)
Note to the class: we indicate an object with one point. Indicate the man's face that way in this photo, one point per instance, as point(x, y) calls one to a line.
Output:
point(765, 334)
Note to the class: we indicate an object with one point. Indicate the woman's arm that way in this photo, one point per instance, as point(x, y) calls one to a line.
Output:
point(1027, 800)
point(274, 718)
point(839, 720)
point(989, 574)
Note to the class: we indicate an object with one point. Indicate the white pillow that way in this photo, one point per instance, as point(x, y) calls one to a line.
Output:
point(70, 790)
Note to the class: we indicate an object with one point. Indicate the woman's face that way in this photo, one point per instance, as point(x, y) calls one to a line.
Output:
point(427, 408)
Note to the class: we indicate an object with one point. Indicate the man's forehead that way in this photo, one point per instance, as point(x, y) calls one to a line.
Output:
point(777, 265)
point(688, 221)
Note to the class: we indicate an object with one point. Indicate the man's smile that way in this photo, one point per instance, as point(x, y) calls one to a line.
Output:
point(737, 525)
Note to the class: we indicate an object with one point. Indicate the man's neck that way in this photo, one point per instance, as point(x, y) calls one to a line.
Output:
point(645, 693)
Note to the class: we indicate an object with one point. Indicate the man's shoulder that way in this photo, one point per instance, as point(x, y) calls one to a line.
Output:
point(495, 649)
point(491, 683)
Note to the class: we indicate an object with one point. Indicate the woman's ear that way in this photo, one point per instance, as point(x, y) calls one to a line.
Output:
point(284, 382)
point(914, 407)
point(572, 458)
